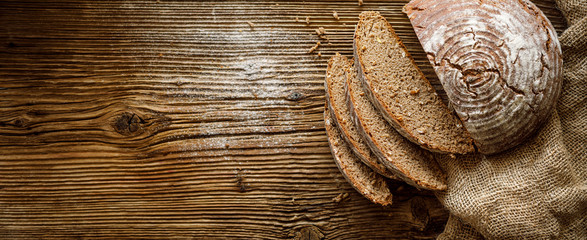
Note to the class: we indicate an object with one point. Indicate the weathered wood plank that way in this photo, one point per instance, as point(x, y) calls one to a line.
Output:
point(178, 120)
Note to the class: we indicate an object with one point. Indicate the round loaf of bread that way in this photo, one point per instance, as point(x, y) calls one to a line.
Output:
point(499, 62)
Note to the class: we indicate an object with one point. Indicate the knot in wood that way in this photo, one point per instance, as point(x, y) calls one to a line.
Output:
point(21, 123)
point(420, 212)
point(309, 233)
point(128, 123)
point(295, 96)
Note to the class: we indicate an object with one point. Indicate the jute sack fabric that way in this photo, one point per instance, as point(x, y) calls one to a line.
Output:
point(537, 190)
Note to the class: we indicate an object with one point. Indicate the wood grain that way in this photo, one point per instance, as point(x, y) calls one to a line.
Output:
point(178, 120)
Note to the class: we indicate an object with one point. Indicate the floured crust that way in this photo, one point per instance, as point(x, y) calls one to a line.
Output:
point(370, 184)
point(334, 86)
point(499, 62)
point(430, 124)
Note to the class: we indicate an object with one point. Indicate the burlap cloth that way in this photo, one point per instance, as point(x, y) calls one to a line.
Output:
point(539, 189)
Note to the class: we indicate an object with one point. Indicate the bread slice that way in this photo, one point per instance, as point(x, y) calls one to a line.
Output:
point(370, 184)
point(400, 91)
point(411, 163)
point(335, 93)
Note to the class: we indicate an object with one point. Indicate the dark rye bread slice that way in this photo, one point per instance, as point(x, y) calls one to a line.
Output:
point(370, 184)
point(411, 163)
point(334, 85)
point(400, 91)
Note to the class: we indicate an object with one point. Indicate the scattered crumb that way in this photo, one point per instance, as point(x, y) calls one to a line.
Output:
point(335, 15)
point(297, 19)
point(314, 47)
point(360, 2)
point(240, 30)
point(160, 54)
point(307, 20)
point(329, 43)
point(344, 23)
point(319, 54)
point(251, 24)
point(227, 145)
point(340, 197)
point(321, 33)
point(452, 156)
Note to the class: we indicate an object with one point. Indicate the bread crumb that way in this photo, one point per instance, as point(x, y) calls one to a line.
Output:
point(344, 24)
point(320, 31)
point(335, 15)
point(308, 20)
point(340, 197)
point(360, 2)
point(452, 156)
point(314, 47)
point(297, 19)
point(251, 24)
point(319, 54)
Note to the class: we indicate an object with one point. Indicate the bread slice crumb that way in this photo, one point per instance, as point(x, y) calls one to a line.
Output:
point(251, 24)
point(308, 20)
point(360, 2)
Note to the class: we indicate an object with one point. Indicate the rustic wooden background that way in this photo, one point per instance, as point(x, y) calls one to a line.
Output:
point(179, 120)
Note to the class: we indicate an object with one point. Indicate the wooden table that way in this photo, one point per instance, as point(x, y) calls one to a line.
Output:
point(180, 120)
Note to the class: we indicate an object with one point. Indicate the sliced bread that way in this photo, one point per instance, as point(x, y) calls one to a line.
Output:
point(398, 88)
point(335, 93)
point(411, 163)
point(370, 184)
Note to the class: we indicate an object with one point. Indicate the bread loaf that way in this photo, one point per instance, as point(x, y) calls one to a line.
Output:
point(499, 62)
point(398, 88)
